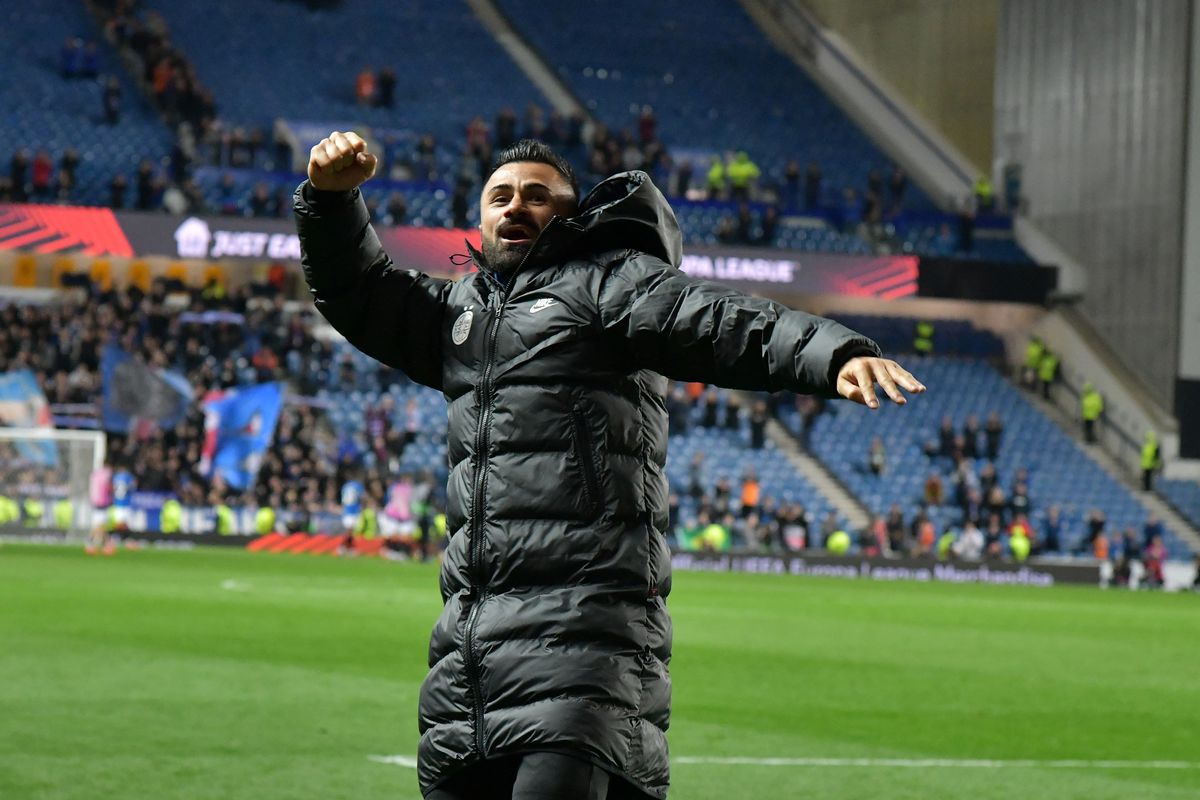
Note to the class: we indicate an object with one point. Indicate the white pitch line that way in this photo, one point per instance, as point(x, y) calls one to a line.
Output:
point(903, 763)
point(968, 763)
point(399, 761)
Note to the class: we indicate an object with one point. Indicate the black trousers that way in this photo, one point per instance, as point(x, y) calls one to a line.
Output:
point(533, 776)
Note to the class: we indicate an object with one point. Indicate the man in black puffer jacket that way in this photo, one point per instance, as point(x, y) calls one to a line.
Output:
point(548, 665)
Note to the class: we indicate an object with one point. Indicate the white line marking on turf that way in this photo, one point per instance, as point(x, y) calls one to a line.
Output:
point(923, 763)
point(968, 763)
point(235, 586)
point(399, 761)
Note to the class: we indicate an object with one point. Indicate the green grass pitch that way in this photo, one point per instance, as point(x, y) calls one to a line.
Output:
point(224, 674)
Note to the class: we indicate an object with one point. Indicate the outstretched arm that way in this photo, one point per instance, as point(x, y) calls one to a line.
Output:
point(392, 315)
point(689, 329)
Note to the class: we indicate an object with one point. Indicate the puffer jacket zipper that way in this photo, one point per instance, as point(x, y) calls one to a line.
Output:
point(475, 556)
point(587, 461)
point(475, 562)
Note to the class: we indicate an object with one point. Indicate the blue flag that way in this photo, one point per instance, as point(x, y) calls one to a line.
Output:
point(23, 405)
point(133, 391)
point(238, 428)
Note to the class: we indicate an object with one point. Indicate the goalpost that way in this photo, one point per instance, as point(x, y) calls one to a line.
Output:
point(45, 473)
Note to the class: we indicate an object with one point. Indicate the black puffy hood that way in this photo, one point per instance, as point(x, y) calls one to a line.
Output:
point(628, 210)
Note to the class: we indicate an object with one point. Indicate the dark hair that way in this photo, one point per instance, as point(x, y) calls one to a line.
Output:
point(540, 152)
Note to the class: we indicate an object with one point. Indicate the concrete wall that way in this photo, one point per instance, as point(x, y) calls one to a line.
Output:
point(940, 54)
point(1091, 101)
point(1187, 386)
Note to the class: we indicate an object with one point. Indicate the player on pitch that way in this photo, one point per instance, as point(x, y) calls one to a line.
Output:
point(548, 665)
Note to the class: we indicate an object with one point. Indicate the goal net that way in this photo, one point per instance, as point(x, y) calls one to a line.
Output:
point(44, 478)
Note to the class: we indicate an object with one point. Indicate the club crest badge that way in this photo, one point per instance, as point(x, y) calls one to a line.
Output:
point(462, 328)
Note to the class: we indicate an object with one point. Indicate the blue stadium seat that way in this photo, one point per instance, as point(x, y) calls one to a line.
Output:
point(1183, 495)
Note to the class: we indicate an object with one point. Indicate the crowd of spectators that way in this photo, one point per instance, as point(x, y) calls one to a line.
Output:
point(188, 107)
point(375, 88)
point(715, 409)
point(62, 344)
point(991, 513)
point(201, 138)
point(253, 338)
point(722, 514)
point(742, 516)
point(218, 340)
point(168, 74)
point(37, 179)
point(170, 80)
point(79, 59)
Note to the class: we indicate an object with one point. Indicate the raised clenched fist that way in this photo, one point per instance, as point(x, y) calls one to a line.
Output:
point(340, 162)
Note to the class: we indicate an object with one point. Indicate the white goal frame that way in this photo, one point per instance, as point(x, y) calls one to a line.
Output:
point(79, 474)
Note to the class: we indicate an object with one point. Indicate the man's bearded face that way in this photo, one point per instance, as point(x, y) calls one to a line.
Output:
point(518, 201)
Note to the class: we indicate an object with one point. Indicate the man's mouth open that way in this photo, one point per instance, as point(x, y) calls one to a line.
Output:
point(517, 235)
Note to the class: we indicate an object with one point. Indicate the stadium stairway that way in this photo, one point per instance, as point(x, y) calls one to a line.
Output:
point(1182, 495)
point(1153, 502)
point(432, 94)
point(531, 63)
point(41, 110)
point(847, 506)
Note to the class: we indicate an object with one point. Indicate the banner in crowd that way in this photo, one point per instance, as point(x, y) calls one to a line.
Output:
point(238, 427)
point(62, 229)
point(135, 394)
point(1031, 573)
point(758, 269)
point(258, 239)
point(101, 231)
point(23, 405)
point(429, 250)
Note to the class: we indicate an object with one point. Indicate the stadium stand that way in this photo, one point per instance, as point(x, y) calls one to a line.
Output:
point(432, 94)
point(951, 337)
point(62, 344)
point(708, 118)
point(705, 462)
point(42, 109)
point(724, 448)
point(1059, 471)
point(615, 68)
point(419, 414)
point(991, 239)
point(231, 192)
point(348, 413)
point(1183, 495)
point(234, 166)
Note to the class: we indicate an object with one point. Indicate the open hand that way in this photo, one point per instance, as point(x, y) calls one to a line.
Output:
point(340, 162)
point(857, 378)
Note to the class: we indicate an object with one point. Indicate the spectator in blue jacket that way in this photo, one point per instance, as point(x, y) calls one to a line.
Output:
point(70, 58)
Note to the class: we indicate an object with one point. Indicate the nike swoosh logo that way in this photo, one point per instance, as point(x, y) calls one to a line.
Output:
point(542, 304)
